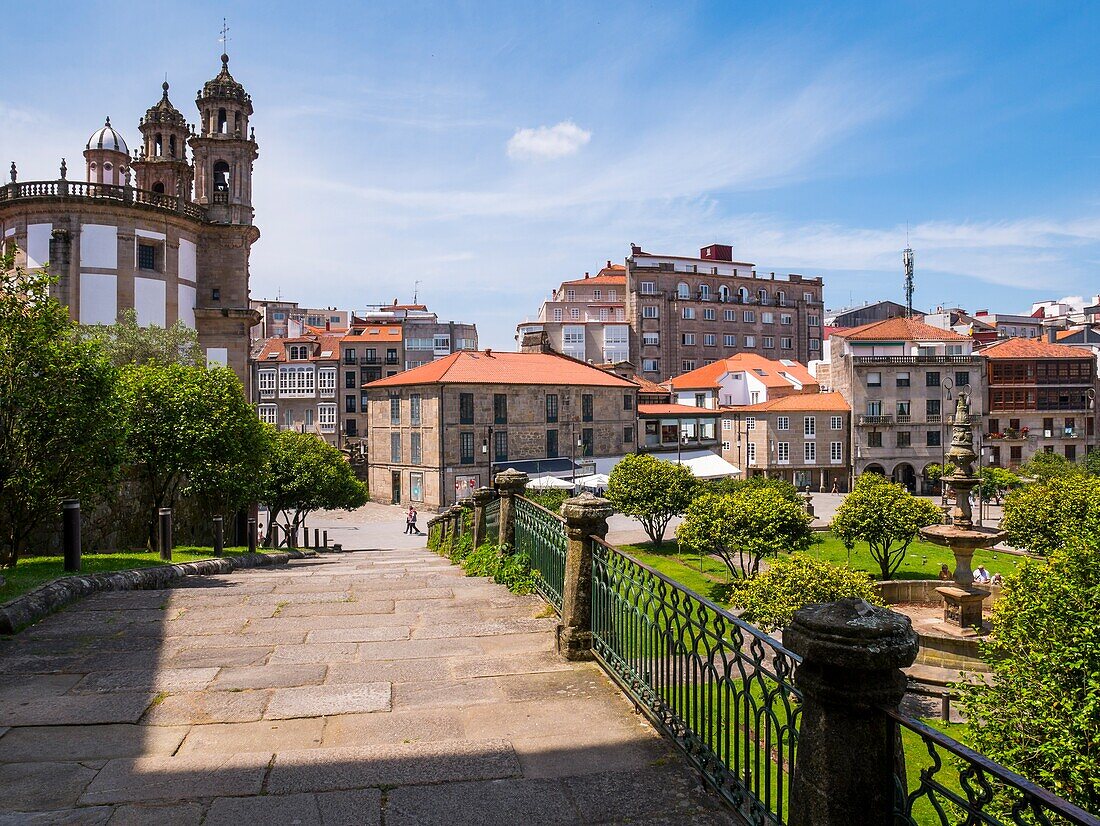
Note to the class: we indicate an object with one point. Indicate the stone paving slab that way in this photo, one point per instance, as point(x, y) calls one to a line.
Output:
point(392, 765)
point(329, 652)
point(262, 735)
point(383, 633)
point(326, 700)
point(237, 678)
point(177, 778)
point(86, 743)
point(172, 814)
point(199, 707)
point(361, 807)
point(362, 606)
point(165, 679)
point(76, 709)
point(42, 785)
point(428, 724)
point(542, 803)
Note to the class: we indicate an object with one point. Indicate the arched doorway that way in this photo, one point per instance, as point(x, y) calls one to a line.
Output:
point(905, 475)
point(877, 469)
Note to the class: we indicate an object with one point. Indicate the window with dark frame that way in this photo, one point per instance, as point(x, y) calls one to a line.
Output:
point(500, 445)
point(147, 257)
point(466, 448)
point(933, 438)
point(551, 444)
point(500, 408)
point(395, 410)
point(551, 407)
point(587, 441)
point(466, 408)
point(586, 407)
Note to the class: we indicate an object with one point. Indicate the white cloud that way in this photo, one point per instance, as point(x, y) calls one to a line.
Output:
point(547, 143)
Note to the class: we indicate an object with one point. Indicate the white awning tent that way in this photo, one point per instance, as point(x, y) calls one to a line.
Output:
point(597, 481)
point(549, 483)
point(704, 464)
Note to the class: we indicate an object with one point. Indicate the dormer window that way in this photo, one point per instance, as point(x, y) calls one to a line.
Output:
point(298, 352)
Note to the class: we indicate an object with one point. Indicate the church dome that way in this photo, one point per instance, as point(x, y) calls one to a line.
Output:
point(164, 112)
point(107, 138)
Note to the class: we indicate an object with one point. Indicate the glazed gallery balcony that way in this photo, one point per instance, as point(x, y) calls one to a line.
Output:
point(914, 360)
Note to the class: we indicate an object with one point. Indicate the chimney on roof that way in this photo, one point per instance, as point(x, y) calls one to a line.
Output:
point(488, 352)
point(635, 249)
point(1052, 335)
point(609, 267)
point(536, 341)
point(586, 275)
point(328, 325)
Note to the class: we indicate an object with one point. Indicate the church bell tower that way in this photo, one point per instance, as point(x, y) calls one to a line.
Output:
point(224, 150)
point(161, 164)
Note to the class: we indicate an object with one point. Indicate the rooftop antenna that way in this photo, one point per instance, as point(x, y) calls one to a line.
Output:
point(416, 291)
point(907, 260)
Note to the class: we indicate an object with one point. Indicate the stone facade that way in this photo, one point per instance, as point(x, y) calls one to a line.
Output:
point(435, 441)
point(296, 384)
point(687, 312)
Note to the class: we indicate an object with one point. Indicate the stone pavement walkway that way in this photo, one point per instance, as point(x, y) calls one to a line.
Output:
point(374, 687)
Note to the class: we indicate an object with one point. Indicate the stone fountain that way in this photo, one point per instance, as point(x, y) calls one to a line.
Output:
point(962, 602)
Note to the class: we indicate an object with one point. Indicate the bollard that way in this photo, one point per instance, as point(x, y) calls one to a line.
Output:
point(325, 540)
point(219, 537)
point(273, 532)
point(510, 483)
point(852, 656)
point(252, 535)
point(166, 534)
point(316, 537)
point(70, 525)
point(585, 517)
point(305, 535)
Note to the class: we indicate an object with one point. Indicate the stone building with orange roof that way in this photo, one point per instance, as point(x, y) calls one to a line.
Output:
point(899, 376)
point(1040, 397)
point(295, 381)
point(439, 431)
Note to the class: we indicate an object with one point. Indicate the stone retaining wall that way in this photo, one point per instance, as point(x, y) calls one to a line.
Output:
point(923, 592)
point(32, 606)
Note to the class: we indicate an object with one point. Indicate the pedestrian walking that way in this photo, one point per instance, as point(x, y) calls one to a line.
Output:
point(410, 521)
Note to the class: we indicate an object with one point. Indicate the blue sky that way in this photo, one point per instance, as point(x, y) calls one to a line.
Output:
point(491, 150)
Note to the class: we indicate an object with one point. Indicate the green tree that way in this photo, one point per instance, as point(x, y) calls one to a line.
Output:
point(650, 490)
point(792, 582)
point(1046, 515)
point(307, 474)
point(731, 485)
point(61, 429)
point(742, 528)
point(1040, 714)
point(127, 342)
point(1045, 465)
point(885, 516)
point(191, 432)
point(995, 481)
point(1092, 462)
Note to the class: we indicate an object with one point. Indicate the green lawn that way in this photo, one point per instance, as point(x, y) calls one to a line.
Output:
point(32, 571)
point(922, 561)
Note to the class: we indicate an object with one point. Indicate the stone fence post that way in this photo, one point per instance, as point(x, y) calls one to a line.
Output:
point(510, 483)
point(585, 517)
point(454, 517)
point(482, 498)
point(852, 654)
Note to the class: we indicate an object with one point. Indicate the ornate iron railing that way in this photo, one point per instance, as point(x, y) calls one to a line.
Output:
point(720, 688)
point(492, 521)
point(960, 786)
point(540, 535)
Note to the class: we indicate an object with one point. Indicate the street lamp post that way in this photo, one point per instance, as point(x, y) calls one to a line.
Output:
point(486, 446)
point(1090, 419)
point(945, 386)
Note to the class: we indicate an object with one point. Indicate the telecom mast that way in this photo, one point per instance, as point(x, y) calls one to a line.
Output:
point(907, 259)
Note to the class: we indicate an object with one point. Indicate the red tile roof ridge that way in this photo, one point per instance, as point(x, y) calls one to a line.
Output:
point(898, 329)
point(491, 367)
point(1032, 348)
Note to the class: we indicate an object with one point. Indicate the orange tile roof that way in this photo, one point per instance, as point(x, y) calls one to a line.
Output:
point(600, 278)
point(650, 387)
point(273, 350)
point(490, 367)
point(384, 331)
point(708, 375)
point(898, 329)
point(823, 402)
point(1029, 348)
point(675, 410)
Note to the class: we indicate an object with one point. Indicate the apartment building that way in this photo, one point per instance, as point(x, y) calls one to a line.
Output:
point(685, 312)
point(865, 313)
point(586, 318)
point(277, 317)
point(1040, 397)
point(425, 337)
point(295, 381)
point(804, 438)
point(368, 352)
point(899, 377)
point(439, 431)
point(741, 379)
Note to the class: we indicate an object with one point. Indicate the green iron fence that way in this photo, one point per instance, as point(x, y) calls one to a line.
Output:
point(720, 688)
point(956, 785)
point(540, 535)
point(492, 521)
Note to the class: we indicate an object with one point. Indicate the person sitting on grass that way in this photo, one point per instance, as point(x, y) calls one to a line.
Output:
point(982, 575)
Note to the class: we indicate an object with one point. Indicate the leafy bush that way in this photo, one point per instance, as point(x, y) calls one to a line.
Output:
point(1041, 713)
point(549, 499)
point(650, 490)
point(731, 485)
point(794, 581)
point(1046, 515)
point(461, 548)
point(1044, 466)
point(505, 568)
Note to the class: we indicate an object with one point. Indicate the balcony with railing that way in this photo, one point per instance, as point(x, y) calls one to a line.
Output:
point(912, 361)
point(93, 192)
point(875, 421)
